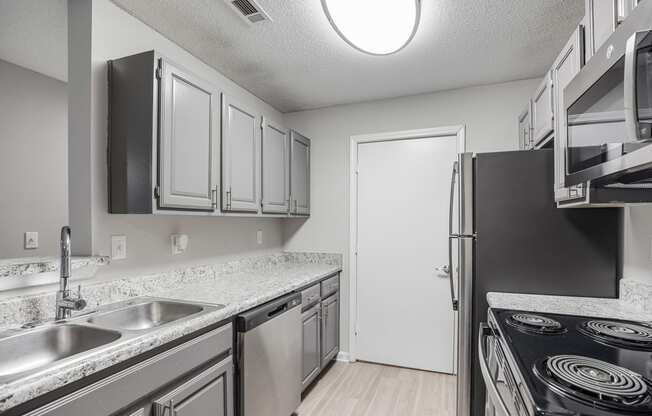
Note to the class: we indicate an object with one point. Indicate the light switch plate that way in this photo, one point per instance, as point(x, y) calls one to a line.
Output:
point(31, 239)
point(118, 247)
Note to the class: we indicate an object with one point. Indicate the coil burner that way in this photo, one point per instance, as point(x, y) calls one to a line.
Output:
point(535, 324)
point(596, 382)
point(622, 334)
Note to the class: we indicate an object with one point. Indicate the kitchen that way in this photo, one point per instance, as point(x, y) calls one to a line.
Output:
point(208, 224)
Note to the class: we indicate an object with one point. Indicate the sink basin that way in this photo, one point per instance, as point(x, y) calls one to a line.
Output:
point(35, 349)
point(145, 315)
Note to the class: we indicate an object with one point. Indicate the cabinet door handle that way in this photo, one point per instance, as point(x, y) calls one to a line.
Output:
point(170, 406)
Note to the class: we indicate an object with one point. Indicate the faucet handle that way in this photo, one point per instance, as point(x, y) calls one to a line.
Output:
point(80, 303)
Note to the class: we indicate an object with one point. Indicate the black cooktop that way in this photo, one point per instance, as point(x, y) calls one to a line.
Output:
point(579, 365)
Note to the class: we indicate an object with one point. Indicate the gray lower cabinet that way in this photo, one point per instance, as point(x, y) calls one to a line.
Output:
point(321, 327)
point(192, 379)
point(240, 160)
point(275, 168)
point(207, 394)
point(300, 174)
point(330, 328)
point(311, 362)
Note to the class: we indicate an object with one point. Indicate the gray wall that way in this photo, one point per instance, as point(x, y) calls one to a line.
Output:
point(33, 160)
point(489, 113)
point(148, 237)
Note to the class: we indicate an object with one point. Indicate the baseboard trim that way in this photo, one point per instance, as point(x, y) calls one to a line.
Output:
point(343, 356)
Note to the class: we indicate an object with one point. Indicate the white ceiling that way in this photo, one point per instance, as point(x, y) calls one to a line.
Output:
point(34, 35)
point(298, 61)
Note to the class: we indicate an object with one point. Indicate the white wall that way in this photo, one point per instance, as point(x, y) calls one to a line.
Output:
point(116, 34)
point(33, 160)
point(489, 113)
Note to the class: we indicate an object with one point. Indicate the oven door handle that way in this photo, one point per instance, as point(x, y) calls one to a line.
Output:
point(632, 125)
point(492, 390)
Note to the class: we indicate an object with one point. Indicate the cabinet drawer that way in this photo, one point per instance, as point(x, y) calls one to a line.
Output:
point(309, 296)
point(330, 285)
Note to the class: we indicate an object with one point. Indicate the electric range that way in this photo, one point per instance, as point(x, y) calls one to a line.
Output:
point(548, 364)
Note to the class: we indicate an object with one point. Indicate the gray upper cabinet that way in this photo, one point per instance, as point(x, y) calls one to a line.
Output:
point(525, 128)
point(542, 112)
point(240, 160)
point(566, 66)
point(330, 328)
point(601, 19)
point(163, 141)
point(189, 131)
point(300, 174)
point(275, 168)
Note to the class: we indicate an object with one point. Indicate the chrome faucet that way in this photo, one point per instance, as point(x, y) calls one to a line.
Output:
point(66, 303)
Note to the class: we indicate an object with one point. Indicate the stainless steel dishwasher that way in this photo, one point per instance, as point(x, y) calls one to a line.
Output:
point(268, 364)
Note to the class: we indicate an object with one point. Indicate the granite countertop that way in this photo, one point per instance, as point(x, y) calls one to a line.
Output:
point(238, 287)
point(633, 304)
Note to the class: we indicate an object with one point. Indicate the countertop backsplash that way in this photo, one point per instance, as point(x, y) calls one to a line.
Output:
point(18, 310)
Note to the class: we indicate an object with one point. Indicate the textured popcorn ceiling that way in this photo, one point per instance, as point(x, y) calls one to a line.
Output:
point(298, 61)
point(34, 35)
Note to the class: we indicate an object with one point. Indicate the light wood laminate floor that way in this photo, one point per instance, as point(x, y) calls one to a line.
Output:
point(364, 389)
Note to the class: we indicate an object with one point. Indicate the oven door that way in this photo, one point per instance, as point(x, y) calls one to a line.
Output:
point(609, 109)
point(503, 398)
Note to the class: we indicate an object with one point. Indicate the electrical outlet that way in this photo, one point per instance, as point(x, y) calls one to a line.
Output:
point(31, 239)
point(259, 236)
point(179, 243)
point(118, 247)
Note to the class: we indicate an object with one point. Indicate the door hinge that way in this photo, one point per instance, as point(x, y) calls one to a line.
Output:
point(157, 192)
point(159, 72)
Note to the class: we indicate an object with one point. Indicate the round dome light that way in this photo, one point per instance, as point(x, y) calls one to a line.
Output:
point(377, 27)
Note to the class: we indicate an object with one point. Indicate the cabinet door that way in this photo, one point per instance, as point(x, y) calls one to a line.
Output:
point(275, 168)
point(330, 328)
point(300, 174)
point(311, 362)
point(525, 128)
point(566, 66)
point(542, 115)
point(239, 157)
point(601, 20)
point(208, 394)
point(188, 139)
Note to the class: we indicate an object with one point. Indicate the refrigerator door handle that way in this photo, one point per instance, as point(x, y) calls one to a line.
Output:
point(451, 204)
point(455, 302)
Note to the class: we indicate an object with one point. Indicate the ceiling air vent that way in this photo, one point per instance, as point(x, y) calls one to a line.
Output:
point(249, 10)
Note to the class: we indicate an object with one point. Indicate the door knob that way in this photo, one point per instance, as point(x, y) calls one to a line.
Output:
point(443, 271)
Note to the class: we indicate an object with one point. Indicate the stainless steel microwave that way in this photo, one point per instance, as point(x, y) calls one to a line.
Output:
point(609, 110)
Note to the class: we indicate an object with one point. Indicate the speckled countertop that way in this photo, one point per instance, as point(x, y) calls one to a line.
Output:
point(635, 303)
point(238, 285)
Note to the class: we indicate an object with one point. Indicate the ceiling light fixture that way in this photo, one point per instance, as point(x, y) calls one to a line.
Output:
point(376, 27)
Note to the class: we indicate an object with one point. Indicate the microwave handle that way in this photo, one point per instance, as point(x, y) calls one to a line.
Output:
point(631, 112)
point(492, 390)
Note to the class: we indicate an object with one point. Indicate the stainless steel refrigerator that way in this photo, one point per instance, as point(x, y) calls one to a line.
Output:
point(507, 235)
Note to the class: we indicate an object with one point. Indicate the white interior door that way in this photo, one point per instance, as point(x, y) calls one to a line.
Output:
point(404, 314)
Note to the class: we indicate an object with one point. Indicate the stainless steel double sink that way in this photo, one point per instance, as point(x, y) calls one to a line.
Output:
point(29, 351)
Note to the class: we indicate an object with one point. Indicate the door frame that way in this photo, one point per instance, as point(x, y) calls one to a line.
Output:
point(434, 132)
